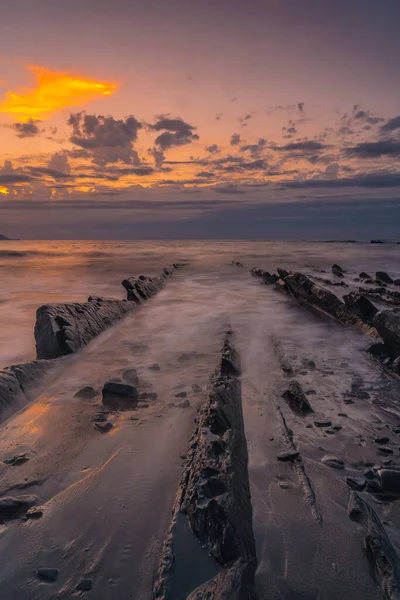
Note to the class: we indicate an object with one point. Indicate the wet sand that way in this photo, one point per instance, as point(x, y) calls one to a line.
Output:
point(107, 498)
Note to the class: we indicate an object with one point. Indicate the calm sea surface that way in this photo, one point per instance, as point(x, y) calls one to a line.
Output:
point(35, 273)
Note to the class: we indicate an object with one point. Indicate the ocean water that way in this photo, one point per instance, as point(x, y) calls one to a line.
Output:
point(38, 272)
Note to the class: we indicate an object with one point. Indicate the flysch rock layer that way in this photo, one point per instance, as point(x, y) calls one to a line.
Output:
point(213, 503)
point(17, 382)
point(62, 329)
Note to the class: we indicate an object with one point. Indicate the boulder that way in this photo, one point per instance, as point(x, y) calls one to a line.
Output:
point(384, 277)
point(119, 396)
point(338, 271)
point(297, 399)
point(364, 275)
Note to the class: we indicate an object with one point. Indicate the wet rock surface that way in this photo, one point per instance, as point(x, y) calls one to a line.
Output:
point(119, 396)
point(297, 399)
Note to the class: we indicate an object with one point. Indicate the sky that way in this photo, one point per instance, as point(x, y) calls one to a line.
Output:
point(157, 119)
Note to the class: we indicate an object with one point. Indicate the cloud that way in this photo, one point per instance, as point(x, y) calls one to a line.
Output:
point(307, 146)
point(213, 149)
point(59, 162)
point(391, 124)
point(228, 189)
point(14, 178)
point(176, 133)
point(28, 129)
point(107, 139)
point(388, 147)
point(219, 116)
point(243, 120)
point(158, 156)
point(370, 180)
point(54, 90)
point(39, 171)
point(300, 106)
point(235, 139)
point(254, 149)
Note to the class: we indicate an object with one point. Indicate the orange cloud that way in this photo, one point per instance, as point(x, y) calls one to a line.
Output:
point(3, 190)
point(53, 91)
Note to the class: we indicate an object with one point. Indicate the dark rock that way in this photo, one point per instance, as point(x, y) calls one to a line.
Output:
point(356, 483)
point(34, 513)
point(196, 388)
point(297, 399)
point(46, 574)
point(385, 450)
point(383, 277)
point(382, 294)
point(361, 306)
point(310, 393)
point(381, 440)
point(131, 376)
point(333, 461)
point(322, 423)
point(181, 395)
point(268, 278)
point(389, 480)
point(396, 282)
point(86, 393)
point(119, 396)
point(377, 242)
point(184, 404)
point(143, 405)
point(12, 507)
point(282, 273)
point(85, 585)
point(17, 459)
point(364, 275)
point(154, 367)
point(337, 270)
point(288, 456)
point(387, 323)
point(104, 427)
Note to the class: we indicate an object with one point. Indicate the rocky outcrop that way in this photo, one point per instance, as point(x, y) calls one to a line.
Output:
point(381, 294)
point(387, 323)
point(338, 271)
point(383, 277)
point(307, 292)
point(214, 497)
point(296, 399)
point(267, 278)
point(17, 383)
point(62, 329)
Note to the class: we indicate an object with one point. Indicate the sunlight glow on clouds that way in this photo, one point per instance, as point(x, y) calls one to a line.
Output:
point(53, 91)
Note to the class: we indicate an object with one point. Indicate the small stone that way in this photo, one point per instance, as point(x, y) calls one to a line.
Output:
point(47, 574)
point(104, 427)
point(310, 393)
point(381, 440)
point(356, 483)
point(86, 393)
point(196, 388)
point(184, 404)
point(396, 429)
point(283, 485)
point(330, 431)
point(368, 474)
point(134, 418)
point(385, 450)
point(336, 427)
point(181, 395)
point(309, 426)
point(12, 506)
point(288, 456)
point(143, 405)
point(34, 513)
point(387, 461)
point(154, 367)
point(183, 456)
point(85, 585)
point(325, 423)
point(333, 461)
point(148, 396)
point(342, 414)
point(119, 396)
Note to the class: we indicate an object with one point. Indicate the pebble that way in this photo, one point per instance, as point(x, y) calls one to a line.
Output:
point(356, 483)
point(196, 388)
point(283, 485)
point(322, 423)
point(18, 459)
point(333, 461)
point(104, 427)
point(181, 395)
point(148, 396)
point(86, 392)
point(310, 393)
point(47, 574)
point(342, 414)
point(381, 440)
point(184, 404)
point(385, 450)
point(288, 456)
point(154, 367)
point(85, 585)
point(34, 513)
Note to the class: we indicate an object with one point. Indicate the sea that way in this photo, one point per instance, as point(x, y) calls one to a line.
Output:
point(34, 273)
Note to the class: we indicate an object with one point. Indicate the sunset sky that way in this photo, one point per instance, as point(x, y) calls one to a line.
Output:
point(200, 119)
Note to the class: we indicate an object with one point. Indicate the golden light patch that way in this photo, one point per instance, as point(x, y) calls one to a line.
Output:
point(53, 91)
point(3, 190)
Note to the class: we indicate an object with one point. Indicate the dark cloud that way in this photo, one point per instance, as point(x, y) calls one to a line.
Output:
point(229, 189)
point(206, 174)
point(107, 139)
point(391, 124)
point(243, 120)
point(235, 139)
point(59, 162)
point(307, 146)
point(38, 171)
point(219, 116)
point(388, 147)
point(300, 106)
point(14, 178)
point(28, 129)
point(176, 133)
point(213, 149)
point(254, 149)
point(158, 156)
point(371, 180)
